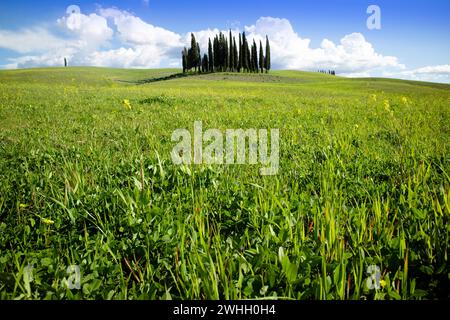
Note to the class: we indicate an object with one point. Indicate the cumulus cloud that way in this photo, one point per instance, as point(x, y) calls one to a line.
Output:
point(440, 73)
point(142, 56)
point(437, 70)
point(88, 42)
point(91, 31)
point(37, 39)
point(133, 30)
point(354, 54)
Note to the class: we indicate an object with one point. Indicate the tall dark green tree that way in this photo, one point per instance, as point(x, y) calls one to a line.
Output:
point(245, 53)
point(222, 52)
point(210, 57)
point(248, 55)
point(241, 58)
point(231, 54)
point(254, 57)
point(267, 62)
point(193, 57)
point(205, 63)
point(184, 54)
point(193, 54)
point(261, 57)
point(235, 55)
point(226, 60)
point(216, 53)
point(199, 57)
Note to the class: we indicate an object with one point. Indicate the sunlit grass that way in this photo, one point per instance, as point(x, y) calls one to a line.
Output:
point(86, 179)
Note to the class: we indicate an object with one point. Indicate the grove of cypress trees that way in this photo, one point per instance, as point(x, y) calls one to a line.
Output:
point(224, 54)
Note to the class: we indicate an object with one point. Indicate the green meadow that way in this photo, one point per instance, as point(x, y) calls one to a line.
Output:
point(362, 195)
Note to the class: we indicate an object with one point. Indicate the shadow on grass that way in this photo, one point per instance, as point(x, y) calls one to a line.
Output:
point(166, 78)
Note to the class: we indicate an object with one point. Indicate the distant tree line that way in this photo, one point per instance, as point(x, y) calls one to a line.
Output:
point(332, 72)
point(227, 54)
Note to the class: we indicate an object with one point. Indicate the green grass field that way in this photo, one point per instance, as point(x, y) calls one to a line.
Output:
point(84, 180)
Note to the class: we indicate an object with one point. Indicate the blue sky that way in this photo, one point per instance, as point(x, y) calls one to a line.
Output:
point(413, 41)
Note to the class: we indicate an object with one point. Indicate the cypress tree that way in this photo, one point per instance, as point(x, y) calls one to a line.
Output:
point(199, 57)
point(235, 55)
point(216, 54)
point(226, 59)
point(261, 57)
point(245, 54)
point(210, 57)
point(184, 55)
point(240, 64)
point(193, 54)
point(248, 55)
point(231, 53)
point(254, 57)
point(189, 60)
point(221, 52)
point(267, 62)
point(205, 64)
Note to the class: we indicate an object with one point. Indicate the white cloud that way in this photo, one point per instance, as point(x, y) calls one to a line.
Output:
point(133, 30)
point(29, 40)
point(354, 54)
point(92, 31)
point(142, 56)
point(437, 73)
point(437, 70)
point(141, 45)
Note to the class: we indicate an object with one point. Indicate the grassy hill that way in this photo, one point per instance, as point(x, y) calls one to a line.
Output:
point(86, 179)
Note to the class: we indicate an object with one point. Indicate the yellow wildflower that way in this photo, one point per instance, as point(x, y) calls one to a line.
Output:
point(47, 221)
point(387, 106)
point(373, 97)
point(383, 283)
point(405, 100)
point(126, 103)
